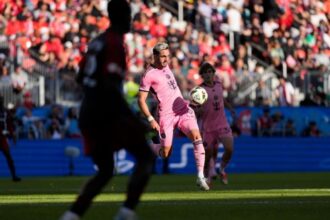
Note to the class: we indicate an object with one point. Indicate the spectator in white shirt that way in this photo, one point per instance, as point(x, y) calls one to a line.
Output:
point(205, 10)
point(19, 79)
point(285, 93)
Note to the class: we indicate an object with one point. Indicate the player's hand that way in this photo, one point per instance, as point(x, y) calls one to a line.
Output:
point(154, 125)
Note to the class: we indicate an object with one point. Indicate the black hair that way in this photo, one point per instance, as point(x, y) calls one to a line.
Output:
point(204, 67)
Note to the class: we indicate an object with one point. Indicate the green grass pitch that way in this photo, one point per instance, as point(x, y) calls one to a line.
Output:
point(277, 196)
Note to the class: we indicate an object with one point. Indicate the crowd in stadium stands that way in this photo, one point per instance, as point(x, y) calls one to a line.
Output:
point(56, 122)
point(286, 35)
point(53, 123)
point(275, 125)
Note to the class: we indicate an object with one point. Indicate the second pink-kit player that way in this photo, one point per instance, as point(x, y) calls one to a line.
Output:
point(213, 123)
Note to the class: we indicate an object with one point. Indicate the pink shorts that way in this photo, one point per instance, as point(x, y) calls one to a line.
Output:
point(185, 122)
point(212, 138)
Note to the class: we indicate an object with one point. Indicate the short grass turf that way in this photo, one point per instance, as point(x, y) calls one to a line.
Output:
point(169, 197)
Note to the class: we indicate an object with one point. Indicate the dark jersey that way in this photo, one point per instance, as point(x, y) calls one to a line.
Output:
point(105, 59)
point(6, 123)
point(104, 113)
point(6, 128)
point(102, 72)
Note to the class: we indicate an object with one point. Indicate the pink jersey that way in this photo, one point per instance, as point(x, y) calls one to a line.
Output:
point(213, 111)
point(162, 84)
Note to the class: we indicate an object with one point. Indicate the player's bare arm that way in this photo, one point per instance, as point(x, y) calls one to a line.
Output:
point(142, 101)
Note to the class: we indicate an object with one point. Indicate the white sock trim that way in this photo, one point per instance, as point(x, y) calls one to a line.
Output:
point(200, 174)
point(127, 211)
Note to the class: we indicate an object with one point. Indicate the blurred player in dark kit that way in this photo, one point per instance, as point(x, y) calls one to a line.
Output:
point(106, 119)
point(7, 130)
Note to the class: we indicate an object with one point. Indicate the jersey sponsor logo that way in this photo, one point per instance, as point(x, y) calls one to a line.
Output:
point(172, 84)
point(216, 103)
point(114, 68)
point(90, 65)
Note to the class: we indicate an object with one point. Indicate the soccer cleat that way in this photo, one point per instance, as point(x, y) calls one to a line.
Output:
point(209, 182)
point(16, 179)
point(202, 184)
point(224, 177)
point(213, 174)
point(68, 215)
point(125, 214)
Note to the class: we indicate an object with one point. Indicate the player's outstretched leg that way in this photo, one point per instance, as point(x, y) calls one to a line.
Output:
point(199, 153)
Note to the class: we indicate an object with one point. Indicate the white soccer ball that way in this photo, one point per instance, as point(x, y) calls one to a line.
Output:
point(198, 95)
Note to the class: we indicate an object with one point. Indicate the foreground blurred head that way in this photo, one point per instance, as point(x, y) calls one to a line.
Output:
point(119, 13)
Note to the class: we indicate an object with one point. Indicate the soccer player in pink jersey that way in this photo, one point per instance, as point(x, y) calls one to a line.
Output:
point(173, 111)
point(214, 124)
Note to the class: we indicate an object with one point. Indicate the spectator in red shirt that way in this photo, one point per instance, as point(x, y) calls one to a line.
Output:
point(158, 29)
point(28, 102)
point(13, 26)
point(142, 24)
point(226, 72)
point(54, 45)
